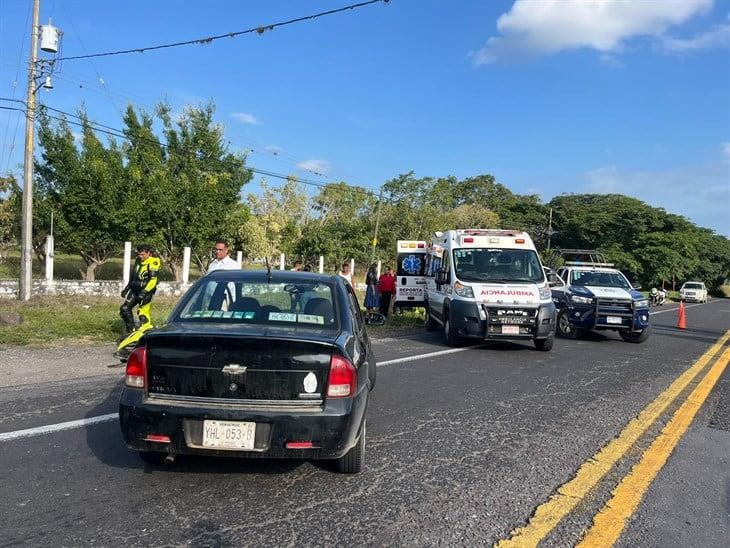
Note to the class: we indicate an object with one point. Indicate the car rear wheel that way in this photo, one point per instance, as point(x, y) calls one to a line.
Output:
point(352, 461)
point(635, 336)
point(566, 329)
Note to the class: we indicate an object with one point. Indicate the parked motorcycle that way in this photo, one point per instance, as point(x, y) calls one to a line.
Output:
point(657, 297)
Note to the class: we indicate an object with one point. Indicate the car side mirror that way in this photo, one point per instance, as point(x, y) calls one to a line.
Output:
point(374, 318)
point(636, 286)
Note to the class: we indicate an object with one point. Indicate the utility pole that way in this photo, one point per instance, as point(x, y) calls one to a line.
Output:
point(550, 228)
point(377, 225)
point(26, 227)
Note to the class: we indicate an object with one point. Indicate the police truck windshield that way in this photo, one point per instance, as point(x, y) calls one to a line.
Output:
point(498, 265)
point(599, 279)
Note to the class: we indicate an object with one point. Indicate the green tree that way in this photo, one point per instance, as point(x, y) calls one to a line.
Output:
point(8, 188)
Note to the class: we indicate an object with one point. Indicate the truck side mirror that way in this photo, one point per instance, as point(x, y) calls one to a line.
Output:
point(442, 277)
point(636, 286)
point(553, 279)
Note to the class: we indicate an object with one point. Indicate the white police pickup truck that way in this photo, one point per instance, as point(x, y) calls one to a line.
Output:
point(597, 296)
point(488, 285)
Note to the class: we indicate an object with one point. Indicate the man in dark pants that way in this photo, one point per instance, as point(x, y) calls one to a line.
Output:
point(386, 285)
point(140, 289)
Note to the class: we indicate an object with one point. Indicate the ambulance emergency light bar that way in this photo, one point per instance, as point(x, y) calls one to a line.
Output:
point(412, 245)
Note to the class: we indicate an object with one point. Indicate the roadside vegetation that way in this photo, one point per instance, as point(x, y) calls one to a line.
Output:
point(95, 320)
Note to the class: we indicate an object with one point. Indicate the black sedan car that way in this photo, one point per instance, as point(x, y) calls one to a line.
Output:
point(253, 364)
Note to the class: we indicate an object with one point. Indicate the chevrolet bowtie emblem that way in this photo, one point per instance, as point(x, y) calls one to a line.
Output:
point(234, 369)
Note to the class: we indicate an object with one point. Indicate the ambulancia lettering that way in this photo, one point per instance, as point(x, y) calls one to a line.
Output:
point(506, 293)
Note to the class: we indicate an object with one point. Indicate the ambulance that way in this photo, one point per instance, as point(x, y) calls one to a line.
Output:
point(410, 283)
point(488, 285)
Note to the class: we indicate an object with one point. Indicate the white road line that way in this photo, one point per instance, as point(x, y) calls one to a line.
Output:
point(7, 436)
point(677, 308)
point(429, 355)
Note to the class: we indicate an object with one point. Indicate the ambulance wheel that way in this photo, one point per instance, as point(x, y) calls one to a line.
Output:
point(452, 339)
point(566, 329)
point(545, 345)
point(431, 323)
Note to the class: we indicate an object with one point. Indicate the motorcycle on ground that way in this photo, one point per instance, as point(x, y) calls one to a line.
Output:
point(657, 297)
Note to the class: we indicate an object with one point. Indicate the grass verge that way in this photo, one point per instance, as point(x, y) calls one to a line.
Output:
point(51, 321)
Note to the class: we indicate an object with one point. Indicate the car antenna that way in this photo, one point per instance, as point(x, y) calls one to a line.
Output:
point(268, 269)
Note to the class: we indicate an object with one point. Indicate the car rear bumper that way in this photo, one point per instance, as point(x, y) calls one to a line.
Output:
point(333, 427)
point(467, 322)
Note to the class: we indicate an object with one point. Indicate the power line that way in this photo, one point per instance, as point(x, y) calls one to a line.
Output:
point(115, 132)
point(208, 39)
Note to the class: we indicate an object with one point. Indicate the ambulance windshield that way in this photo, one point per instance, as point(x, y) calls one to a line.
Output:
point(498, 265)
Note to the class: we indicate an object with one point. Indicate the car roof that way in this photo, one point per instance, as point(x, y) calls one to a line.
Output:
point(277, 276)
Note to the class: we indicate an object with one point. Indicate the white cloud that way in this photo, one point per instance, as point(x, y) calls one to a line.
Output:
point(246, 118)
point(550, 26)
point(717, 37)
point(701, 193)
point(320, 167)
point(725, 150)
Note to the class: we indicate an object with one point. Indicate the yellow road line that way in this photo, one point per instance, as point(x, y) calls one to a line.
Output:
point(548, 514)
point(611, 520)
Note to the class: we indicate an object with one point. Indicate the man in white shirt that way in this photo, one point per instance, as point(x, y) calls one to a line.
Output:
point(221, 260)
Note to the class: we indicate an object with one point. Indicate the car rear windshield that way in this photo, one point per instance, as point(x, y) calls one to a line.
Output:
point(498, 265)
point(300, 304)
point(599, 279)
point(692, 286)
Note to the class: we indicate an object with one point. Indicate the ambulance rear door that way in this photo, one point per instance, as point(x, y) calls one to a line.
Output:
point(410, 284)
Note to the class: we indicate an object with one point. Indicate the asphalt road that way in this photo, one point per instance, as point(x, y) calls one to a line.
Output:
point(462, 447)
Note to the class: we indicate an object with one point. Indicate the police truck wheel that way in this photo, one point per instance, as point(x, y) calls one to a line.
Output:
point(635, 336)
point(566, 329)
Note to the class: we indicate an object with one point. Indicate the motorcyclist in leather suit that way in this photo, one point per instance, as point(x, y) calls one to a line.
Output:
point(141, 288)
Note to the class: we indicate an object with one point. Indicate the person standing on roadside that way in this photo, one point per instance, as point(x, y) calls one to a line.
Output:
point(387, 288)
point(221, 260)
point(345, 272)
point(371, 293)
point(297, 266)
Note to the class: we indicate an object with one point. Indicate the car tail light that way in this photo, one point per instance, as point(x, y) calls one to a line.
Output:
point(136, 375)
point(342, 379)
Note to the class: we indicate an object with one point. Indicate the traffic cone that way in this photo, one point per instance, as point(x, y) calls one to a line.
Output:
point(681, 320)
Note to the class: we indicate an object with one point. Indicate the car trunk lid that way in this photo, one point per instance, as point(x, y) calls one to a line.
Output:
point(232, 369)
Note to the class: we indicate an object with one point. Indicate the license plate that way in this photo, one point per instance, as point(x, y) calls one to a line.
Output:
point(229, 435)
point(613, 319)
point(511, 329)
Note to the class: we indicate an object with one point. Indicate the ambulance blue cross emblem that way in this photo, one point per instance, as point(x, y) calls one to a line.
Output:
point(412, 264)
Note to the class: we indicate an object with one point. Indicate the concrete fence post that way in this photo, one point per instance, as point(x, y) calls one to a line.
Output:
point(49, 259)
point(186, 265)
point(282, 262)
point(239, 258)
point(352, 270)
point(126, 263)
point(380, 264)
point(321, 264)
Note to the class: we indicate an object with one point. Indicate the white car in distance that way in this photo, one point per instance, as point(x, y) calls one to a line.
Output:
point(693, 291)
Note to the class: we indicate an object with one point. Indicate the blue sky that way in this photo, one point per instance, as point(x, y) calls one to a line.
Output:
point(550, 96)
